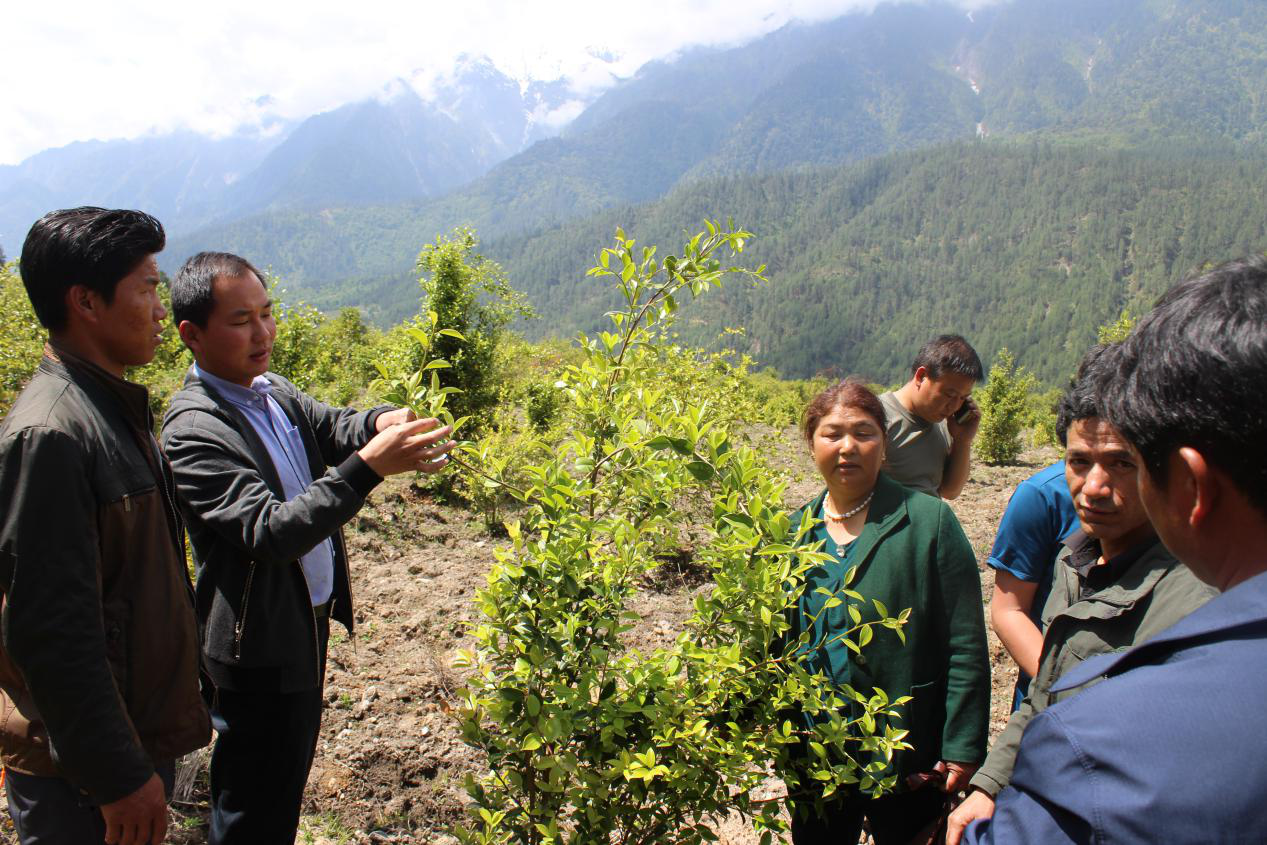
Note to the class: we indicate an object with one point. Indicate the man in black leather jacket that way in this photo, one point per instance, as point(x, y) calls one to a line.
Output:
point(99, 655)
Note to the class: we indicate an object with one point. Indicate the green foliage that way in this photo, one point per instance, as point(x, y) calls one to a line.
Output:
point(420, 390)
point(1041, 420)
point(779, 402)
point(1006, 405)
point(346, 347)
point(21, 336)
point(1024, 244)
point(1116, 331)
point(471, 296)
point(587, 739)
point(297, 347)
point(541, 403)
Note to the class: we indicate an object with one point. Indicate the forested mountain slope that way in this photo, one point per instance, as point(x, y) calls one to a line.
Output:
point(1027, 245)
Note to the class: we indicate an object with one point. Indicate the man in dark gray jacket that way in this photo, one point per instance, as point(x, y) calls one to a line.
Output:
point(267, 476)
point(99, 651)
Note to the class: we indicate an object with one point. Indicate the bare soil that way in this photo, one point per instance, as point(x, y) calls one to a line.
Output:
point(390, 763)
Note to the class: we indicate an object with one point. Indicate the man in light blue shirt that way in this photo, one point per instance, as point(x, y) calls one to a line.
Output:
point(267, 476)
point(286, 448)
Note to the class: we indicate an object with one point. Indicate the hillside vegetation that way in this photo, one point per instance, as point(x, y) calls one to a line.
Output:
point(1112, 73)
point(1025, 245)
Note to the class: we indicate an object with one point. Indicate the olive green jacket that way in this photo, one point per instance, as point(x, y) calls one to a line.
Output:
point(912, 553)
point(1151, 595)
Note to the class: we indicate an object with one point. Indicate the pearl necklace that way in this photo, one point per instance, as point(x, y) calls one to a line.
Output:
point(841, 517)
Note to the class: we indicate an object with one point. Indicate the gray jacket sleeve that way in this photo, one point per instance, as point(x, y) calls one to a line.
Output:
point(52, 622)
point(221, 486)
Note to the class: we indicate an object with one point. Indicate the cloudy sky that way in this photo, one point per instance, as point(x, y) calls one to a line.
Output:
point(82, 69)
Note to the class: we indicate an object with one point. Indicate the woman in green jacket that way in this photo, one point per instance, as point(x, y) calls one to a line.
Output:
point(909, 552)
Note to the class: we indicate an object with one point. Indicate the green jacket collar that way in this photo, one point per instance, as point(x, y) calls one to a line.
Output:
point(886, 512)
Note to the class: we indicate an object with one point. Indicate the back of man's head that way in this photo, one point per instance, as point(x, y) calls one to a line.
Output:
point(192, 287)
point(89, 246)
point(1190, 374)
point(949, 353)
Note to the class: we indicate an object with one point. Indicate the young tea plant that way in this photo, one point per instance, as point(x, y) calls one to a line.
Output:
point(589, 738)
point(419, 390)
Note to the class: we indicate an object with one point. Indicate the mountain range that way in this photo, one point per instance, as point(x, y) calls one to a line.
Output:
point(339, 205)
point(394, 147)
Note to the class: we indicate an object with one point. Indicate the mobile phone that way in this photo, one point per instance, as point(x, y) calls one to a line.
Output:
point(961, 416)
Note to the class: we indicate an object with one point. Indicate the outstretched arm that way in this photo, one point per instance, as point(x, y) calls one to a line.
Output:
point(226, 491)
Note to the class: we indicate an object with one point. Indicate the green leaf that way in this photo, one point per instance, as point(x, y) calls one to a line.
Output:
point(701, 470)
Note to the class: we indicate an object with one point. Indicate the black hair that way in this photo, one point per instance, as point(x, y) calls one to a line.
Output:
point(191, 289)
point(850, 393)
point(1189, 373)
point(88, 246)
point(1081, 400)
point(949, 353)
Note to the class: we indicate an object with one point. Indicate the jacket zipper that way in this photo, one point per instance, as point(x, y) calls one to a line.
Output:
point(241, 623)
point(312, 612)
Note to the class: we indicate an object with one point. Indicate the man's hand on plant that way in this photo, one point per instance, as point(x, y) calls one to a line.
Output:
point(388, 419)
point(417, 445)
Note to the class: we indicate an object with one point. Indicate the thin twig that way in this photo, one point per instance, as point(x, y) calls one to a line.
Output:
point(483, 474)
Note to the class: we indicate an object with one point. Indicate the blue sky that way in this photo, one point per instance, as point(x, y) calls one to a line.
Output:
point(83, 69)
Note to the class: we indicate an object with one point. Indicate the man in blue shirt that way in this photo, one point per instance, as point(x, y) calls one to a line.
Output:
point(267, 476)
point(1165, 743)
point(1038, 518)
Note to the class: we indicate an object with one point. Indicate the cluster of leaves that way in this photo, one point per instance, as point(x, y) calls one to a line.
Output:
point(470, 297)
point(420, 390)
point(21, 336)
point(1117, 330)
point(1006, 407)
point(588, 739)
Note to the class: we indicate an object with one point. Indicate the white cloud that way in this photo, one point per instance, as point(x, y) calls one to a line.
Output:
point(83, 69)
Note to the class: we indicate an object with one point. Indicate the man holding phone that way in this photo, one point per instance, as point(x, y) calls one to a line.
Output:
point(933, 420)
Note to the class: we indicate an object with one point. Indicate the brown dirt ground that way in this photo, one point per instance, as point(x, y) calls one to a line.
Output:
point(390, 762)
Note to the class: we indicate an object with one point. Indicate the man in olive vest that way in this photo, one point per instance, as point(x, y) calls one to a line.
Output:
point(1115, 584)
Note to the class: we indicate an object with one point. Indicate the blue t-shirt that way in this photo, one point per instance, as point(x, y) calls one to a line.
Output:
point(1037, 520)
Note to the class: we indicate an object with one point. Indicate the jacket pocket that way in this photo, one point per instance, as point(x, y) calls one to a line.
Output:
point(924, 718)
